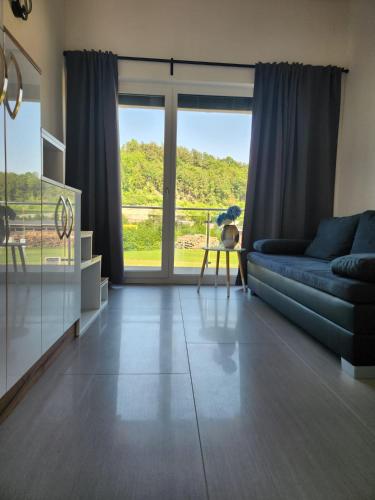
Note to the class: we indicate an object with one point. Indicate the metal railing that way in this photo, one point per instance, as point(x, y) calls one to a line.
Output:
point(209, 212)
point(25, 219)
point(25, 222)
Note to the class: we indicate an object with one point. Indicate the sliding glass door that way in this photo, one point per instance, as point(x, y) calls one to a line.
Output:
point(213, 143)
point(142, 130)
point(184, 159)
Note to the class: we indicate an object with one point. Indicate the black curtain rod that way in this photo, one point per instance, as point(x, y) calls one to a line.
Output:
point(172, 62)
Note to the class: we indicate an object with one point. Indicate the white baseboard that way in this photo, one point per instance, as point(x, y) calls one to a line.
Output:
point(358, 372)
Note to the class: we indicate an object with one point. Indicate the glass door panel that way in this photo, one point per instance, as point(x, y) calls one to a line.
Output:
point(72, 296)
point(142, 130)
point(53, 264)
point(23, 188)
point(3, 231)
point(212, 158)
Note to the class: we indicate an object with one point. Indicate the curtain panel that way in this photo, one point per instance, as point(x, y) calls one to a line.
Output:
point(92, 153)
point(296, 111)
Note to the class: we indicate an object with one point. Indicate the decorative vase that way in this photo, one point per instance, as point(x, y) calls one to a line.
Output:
point(230, 235)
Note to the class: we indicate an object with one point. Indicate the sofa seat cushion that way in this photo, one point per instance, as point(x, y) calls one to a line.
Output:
point(317, 274)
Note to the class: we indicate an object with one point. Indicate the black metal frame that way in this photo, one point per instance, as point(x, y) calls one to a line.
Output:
point(173, 61)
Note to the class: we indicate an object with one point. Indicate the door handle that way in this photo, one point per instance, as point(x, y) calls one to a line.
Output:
point(14, 112)
point(69, 203)
point(3, 91)
point(64, 217)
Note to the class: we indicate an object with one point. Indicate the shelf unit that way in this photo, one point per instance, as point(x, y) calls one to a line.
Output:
point(94, 288)
point(86, 245)
point(95, 259)
point(53, 157)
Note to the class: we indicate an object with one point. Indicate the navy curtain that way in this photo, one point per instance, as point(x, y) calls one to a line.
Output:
point(92, 152)
point(296, 111)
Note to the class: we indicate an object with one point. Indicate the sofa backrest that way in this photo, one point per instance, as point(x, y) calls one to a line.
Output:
point(364, 238)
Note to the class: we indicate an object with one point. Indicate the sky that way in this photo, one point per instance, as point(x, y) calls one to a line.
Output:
point(25, 157)
point(219, 134)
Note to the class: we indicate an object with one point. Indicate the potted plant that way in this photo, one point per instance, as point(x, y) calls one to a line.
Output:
point(229, 234)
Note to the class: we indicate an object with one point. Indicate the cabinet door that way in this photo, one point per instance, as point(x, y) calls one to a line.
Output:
point(23, 187)
point(72, 304)
point(3, 224)
point(54, 220)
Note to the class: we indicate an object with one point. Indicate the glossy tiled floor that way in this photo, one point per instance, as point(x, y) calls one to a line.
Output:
point(171, 395)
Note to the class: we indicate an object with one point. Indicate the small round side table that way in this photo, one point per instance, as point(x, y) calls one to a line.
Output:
point(227, 251)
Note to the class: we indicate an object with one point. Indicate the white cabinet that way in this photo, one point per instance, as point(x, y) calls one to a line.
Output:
point(23, 191)
point(61, 276)
point(72, 295)
point(53, 262)
point(40, 243)
point(3, 219)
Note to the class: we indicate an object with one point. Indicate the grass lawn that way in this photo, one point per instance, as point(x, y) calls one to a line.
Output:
point(32, 255)
point(183, 258)
point(139, 258)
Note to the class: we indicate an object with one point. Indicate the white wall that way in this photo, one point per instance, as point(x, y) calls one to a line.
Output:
point(338, 32)
point(355, 180)
point(42, 36)
point(310, 31)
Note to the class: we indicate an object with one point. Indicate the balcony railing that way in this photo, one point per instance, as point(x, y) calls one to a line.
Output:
point(195, 227)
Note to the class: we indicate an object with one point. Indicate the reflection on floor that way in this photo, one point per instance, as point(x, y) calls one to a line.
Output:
point(171, 395)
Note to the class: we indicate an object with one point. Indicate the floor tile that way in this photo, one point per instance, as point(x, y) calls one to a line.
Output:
point(114, 416)
point(132, 347)
point(359, 395)
point(142, 299)
point(148, 313)
point(271, 430)
point(210, 291)
point(217, 320)
point(201, 307)
point(104, 437)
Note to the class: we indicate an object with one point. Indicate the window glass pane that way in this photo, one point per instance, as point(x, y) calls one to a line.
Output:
point(141, 120)
point(212, 161)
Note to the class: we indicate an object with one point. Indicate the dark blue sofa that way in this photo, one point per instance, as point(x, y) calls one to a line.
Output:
point(336, 310)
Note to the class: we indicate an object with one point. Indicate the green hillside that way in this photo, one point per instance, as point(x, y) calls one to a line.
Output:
point(202, 179)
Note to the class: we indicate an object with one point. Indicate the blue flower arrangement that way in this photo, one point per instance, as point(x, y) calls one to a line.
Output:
point(229, 216)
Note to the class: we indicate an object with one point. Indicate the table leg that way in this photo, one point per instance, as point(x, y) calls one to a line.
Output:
point(14, 258)
point(22, 257)
point(228, 274)
point(241, 271)
point(217, 266)
point(202, 270)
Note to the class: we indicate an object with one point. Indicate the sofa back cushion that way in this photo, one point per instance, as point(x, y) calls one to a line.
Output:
point(364, 238)
point(334, 238)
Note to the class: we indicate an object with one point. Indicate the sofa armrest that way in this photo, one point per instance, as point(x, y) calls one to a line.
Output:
point(282, 246)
